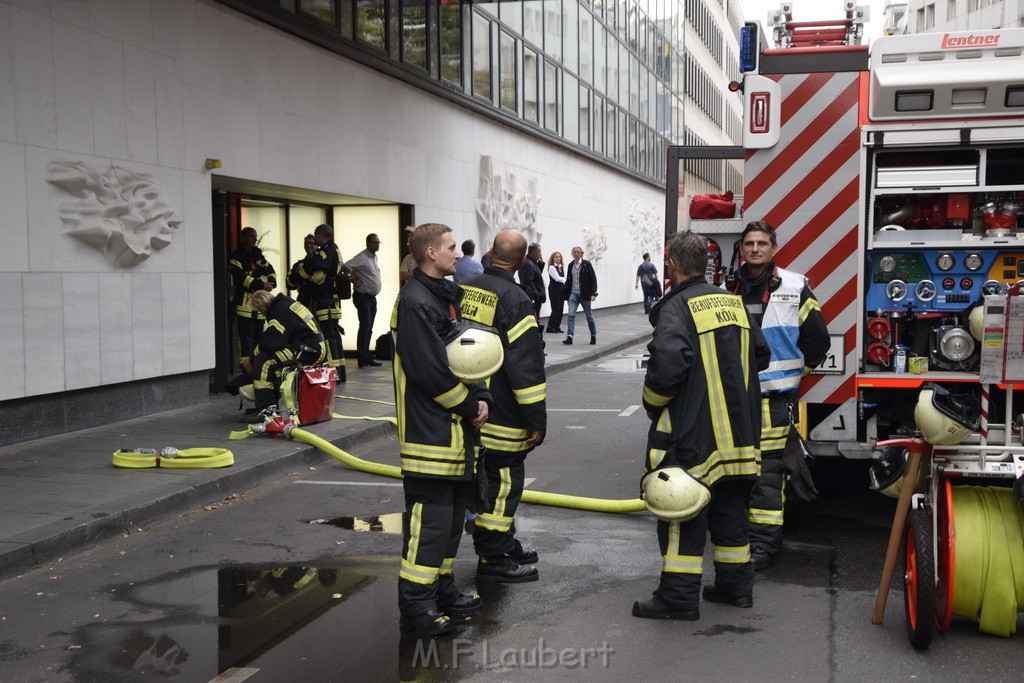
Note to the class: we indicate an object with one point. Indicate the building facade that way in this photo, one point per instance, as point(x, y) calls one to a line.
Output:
point(928, 16)
point(137, 138)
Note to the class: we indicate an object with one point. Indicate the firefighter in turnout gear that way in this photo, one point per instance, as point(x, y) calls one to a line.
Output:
point(438, 420)
point(518, 419)
point(783, 305)
point(249, 272)
point(316, 279)
point(290, 334)
point(702, 396)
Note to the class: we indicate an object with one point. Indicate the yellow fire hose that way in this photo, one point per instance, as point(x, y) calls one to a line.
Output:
point(988, 560)
point(169, 458)
point(536, 497)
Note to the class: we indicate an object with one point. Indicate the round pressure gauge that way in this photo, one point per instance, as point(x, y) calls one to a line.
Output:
point(973, 262)
point(994, 287)
point(896, 290)
point(887, 264)
point(944, 262)
point(925, 290)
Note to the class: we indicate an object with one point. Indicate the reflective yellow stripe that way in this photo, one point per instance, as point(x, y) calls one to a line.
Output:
point(415, 525)
point(447, 565)
point(534, 394)
point(493, 522)
point(805, 310)
point(453, 396)
point(654, 458)
point(654, 398)
point(769, 517)
point(418, 573)
point(720, 424)
point(505, 445)
point(520, 328)
point(725, 554)
point(738, 462)
point(434, 468)
point(673, 562)
point(275, 325)
point(664, 422)
point(503, 431)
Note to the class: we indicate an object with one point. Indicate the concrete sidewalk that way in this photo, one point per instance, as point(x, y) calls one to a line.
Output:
point(61, 494)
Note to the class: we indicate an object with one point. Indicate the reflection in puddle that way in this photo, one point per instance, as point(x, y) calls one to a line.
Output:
point(388, 524)
point(631, 363)
point(287, 623)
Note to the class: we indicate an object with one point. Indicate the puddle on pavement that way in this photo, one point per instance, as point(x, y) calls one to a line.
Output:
point(630, 363)
point(389, 524)
point(267, 623)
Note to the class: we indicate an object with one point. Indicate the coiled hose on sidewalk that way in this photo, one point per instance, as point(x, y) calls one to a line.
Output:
point(536, 497)
point(988, 562)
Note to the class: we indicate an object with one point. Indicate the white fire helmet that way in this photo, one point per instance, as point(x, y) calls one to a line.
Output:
point(945, 419)
point(673, 494)
point(886, 473)
point(474, 353)
point(976, 322)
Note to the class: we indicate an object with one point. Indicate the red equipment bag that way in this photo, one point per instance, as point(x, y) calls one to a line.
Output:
point(713, 206)
point(316, 393)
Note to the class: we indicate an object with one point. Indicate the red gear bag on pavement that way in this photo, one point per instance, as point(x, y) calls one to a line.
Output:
point(316, 394)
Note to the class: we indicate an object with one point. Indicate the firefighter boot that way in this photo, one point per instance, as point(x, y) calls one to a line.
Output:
point(462, 606)
point(429, 623)
point(760, 558)
point(522, 555)
point(503, 569)
point(656, 608)
point(716, 594)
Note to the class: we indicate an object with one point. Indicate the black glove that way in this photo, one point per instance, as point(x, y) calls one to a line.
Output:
point(794, 464)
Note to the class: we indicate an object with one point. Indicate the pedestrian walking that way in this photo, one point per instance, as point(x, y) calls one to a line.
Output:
point(556, 292)
point(581, 286)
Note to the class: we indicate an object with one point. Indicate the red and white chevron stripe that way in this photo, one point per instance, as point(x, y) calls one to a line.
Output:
point(808, 186)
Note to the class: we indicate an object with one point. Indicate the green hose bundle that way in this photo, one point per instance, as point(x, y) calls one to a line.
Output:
point(988, 562)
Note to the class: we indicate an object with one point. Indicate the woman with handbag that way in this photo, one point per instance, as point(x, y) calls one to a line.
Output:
point(556, 292)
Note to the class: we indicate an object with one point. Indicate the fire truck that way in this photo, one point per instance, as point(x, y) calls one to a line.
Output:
point(895, 179)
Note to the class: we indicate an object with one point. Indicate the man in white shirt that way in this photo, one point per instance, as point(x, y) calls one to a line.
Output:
point(366, 286)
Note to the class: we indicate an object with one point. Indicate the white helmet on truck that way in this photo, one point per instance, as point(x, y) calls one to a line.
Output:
point(673, 494)
point(945, 419)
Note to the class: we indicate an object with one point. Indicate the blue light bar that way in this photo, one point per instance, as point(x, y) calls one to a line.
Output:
point(748, 48)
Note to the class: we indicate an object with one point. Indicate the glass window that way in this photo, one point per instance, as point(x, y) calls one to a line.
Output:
point(553, 28)
point(481, 56)
point(612, 70)
point(507, 70)
point(451, 41)
point(512, 14)
point(491, 7)
point(551, 103)
point(600, 57)
point(634, 83)
point(642, 82)
point(584, 116)
point(598, 138)
point(622, 137)
point(609, 130)
point(570, 32)
point(370, 23)
point(345, 15)
point(533, 22)
point(531, 90)
point(586, 46)
point(322, 11)
point(571, 107)
point(623, 75)
point(414, 32)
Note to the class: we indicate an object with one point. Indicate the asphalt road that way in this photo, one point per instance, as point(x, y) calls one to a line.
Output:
point(196, 598)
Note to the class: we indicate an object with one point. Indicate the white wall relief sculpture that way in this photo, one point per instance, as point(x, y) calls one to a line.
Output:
point(645, 231)
point(506, 198)
point(117, 211)
point(595, 243)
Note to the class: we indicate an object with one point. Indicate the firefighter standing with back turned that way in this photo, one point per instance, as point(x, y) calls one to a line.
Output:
point(250, 272)
point(702, 397)
point(519, 418)
point(783, 305)
point(438, 416)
